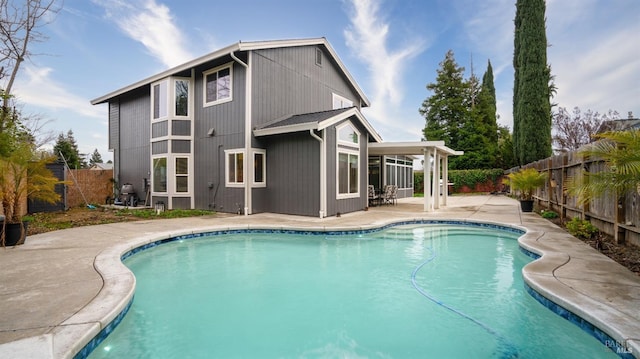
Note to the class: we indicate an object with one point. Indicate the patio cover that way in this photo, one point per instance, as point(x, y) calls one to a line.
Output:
point(438, 168)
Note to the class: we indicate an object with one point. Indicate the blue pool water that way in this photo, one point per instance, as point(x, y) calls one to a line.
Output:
point(403, 292)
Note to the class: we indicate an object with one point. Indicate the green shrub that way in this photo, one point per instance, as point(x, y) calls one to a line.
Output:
point(581, 228)
point(418, 182)
point(548, 214)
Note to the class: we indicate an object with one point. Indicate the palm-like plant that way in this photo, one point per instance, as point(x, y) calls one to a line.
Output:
point(526, 181)
point(621, 152)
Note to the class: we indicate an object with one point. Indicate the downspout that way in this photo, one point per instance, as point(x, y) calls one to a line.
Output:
point(323, 175)
point(248, 156)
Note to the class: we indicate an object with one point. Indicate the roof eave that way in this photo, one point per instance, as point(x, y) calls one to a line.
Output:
point(239, 46)
point(186, 66)
point(285, 129)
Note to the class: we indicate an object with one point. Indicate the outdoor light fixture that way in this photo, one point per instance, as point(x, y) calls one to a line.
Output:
point(211, 132)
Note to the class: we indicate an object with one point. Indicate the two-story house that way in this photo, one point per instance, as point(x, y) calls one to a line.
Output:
point(268, 126)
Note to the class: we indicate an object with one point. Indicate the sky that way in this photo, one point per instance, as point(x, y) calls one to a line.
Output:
point(392, 48)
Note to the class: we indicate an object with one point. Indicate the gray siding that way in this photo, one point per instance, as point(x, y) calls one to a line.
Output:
point(180, 128)
point(293, 175)
point(133, 161)
point(228, 121)
point(114, 124)
point(181, 203)
point(114, 135)
point(287, 81)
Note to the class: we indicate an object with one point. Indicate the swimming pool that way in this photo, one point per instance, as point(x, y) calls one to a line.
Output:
point(406, 291)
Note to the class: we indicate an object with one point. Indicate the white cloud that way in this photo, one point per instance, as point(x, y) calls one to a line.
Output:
point(598, 67)
point(36, 87)
point(367, 37)
point(152, 25)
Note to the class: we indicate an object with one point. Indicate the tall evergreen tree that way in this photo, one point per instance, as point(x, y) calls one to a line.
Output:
point(67, 146)
point(485, 114)
point(95, 157)
point(505, 157)
point(531, 93)
point(447, 109)
point(463, 114)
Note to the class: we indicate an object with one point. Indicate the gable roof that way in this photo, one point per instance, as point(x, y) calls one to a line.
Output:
point(315, 121)
point(240, 46)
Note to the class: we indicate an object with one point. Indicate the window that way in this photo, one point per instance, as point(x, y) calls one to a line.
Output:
point(234, 170)
point(217, 87)
point(182, 97)
point(182, 174)
point(347, 134)
point(260, 168)
point(348, 149)
point(348, 174)
point(341, 102)
point(399, 172)
point(160, 100)
point(160, 174)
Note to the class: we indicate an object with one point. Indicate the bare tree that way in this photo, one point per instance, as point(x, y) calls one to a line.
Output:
point(20, 21)
point(35, 124)
point(574, 130)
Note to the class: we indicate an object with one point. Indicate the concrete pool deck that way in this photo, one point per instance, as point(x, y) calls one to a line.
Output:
point(60, 289)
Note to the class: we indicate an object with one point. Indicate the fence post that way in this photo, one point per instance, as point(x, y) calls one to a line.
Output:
point(619, 217)
point(563, 181)
point(548, 184)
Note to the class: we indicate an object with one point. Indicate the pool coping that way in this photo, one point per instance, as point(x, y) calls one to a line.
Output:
point(543, 276)
point(110, 265)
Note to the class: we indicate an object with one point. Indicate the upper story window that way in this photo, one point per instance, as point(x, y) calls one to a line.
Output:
point(218, 85)
point(182, 97)
point(341, 102)
point(160, 100)
point(171, 97)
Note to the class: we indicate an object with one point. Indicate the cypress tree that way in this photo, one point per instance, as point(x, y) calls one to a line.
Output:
point(487, 109)
point(531, 90)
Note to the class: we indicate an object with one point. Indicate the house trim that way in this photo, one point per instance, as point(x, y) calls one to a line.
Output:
point(321, 125)
point(241, 46)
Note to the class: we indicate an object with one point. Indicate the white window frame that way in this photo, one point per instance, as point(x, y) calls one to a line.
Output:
point(166, 175)
point(263, 183)
point(349, 148)
point(204, 85)
point(349, 153)
point(176, 174)
point(343, 102)
point(348, 143)
point(161, 116)
point(234, 152)
point(172, 98)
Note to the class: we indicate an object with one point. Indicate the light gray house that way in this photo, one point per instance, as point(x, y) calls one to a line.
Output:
point(268, 126)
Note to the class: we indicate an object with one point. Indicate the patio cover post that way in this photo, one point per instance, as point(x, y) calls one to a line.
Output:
point(445, 181)
point(427, 180)
point(436, 178)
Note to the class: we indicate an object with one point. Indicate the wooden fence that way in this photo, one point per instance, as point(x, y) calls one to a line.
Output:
point(95, 185)
point(613, 215)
